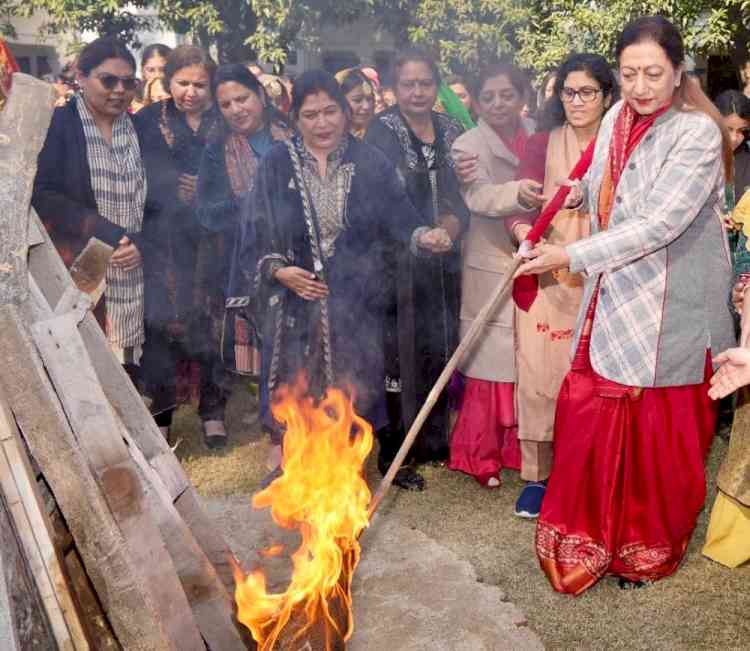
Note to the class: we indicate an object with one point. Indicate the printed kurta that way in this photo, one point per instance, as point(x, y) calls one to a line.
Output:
point(423, 304)
point(340, 342)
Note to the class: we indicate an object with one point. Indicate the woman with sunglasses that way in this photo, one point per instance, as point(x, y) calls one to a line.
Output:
point(175, 132)
point(583, 91)
point(91, 183)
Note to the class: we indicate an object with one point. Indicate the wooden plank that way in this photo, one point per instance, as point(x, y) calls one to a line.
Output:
point(23, 126)
point(23, 621)
point(96, 428)
point(212, 604)
point(35, 532)
point(129, 605)
point(98, 626)
point(52, 280)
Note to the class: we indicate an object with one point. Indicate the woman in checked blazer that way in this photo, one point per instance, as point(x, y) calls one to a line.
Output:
point(634, 420)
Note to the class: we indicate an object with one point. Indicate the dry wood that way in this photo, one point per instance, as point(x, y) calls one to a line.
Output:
point(23, 621)
point(97, 625)
point(466, 343)
point(52, 280)
point(118, 580)
point(35, 532)
point(89, 269)
point(212, 604)
point(23, 127)
point(96, 428)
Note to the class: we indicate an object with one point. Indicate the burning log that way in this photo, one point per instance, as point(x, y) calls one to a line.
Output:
point(324, 496)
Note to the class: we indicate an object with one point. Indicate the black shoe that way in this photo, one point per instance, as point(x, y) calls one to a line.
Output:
point(409, 479)
point(406, 477)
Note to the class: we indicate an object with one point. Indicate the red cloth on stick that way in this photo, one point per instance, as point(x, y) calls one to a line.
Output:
point(628, 480)
point(525, 287)
point(628, 131)
point(485, 437)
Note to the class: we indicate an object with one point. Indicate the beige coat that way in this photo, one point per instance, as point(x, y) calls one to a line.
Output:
point(488, 252)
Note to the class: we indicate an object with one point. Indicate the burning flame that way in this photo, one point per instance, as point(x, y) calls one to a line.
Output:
point(323, 494)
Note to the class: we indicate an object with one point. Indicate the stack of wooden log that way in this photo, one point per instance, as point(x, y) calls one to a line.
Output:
point(103, 542)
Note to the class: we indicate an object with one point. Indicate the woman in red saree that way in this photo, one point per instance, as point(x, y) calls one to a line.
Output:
point(634, 420)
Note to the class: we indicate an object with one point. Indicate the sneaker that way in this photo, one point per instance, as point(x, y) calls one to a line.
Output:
point(529, 502)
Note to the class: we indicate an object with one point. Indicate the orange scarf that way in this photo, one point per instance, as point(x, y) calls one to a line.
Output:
point(629, 129)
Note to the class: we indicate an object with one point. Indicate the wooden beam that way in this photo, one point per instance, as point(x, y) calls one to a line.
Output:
point(212, 604)
point(23, 127)
point(99, 437)
point(23, 621)
point(119, 582)
point(35, 532)
point(52, 280)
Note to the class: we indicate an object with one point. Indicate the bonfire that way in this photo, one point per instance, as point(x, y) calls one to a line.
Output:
point(322, 494)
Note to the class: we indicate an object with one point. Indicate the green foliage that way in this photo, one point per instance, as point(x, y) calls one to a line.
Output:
point(466, 33)
point(102, 16)
point(538, 34)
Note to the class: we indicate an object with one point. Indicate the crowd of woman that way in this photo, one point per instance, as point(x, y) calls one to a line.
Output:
point(334, 233)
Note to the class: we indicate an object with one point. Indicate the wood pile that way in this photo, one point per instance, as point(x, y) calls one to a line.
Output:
point(103, 542)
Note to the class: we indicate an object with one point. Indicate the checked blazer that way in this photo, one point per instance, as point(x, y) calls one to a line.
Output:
point(664, 262)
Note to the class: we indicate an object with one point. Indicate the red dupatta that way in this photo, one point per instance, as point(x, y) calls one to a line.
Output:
point(629, 129)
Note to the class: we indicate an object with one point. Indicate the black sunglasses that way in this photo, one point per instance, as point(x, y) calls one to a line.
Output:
point(110, 81)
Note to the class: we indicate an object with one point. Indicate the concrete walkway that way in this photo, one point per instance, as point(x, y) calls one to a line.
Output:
point(410, 592)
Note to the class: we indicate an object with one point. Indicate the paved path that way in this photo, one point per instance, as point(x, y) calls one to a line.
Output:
point(410, 592)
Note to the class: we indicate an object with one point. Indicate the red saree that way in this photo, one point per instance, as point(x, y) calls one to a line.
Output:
point(628, 478)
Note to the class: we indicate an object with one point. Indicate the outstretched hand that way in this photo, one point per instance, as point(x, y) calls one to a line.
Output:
point(733, 373)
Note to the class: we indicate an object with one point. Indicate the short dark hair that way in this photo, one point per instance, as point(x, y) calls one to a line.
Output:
point(185, 56)
point(516, 77)
point(354, 79)
point(414, 55)
point(733, 102)
point(155, 49)
point(552, 113)
point(101, 49)
point(316, 81)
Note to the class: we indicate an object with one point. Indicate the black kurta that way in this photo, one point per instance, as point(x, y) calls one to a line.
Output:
point(179, 282)
point(376, 211)
point(424, 291)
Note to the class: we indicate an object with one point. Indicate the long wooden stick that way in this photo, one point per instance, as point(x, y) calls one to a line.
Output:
point(466, 343)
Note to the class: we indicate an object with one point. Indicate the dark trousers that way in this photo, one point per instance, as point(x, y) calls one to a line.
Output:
point(160, 356)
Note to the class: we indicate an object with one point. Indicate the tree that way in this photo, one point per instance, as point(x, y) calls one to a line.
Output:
point(538, 34)
point(239, 29)
point(466, 33)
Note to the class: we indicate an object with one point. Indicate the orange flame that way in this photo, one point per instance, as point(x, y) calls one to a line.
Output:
point(323, 494)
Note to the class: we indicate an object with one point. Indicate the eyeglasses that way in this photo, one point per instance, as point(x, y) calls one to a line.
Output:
point(587, 94)
point(110, 81)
